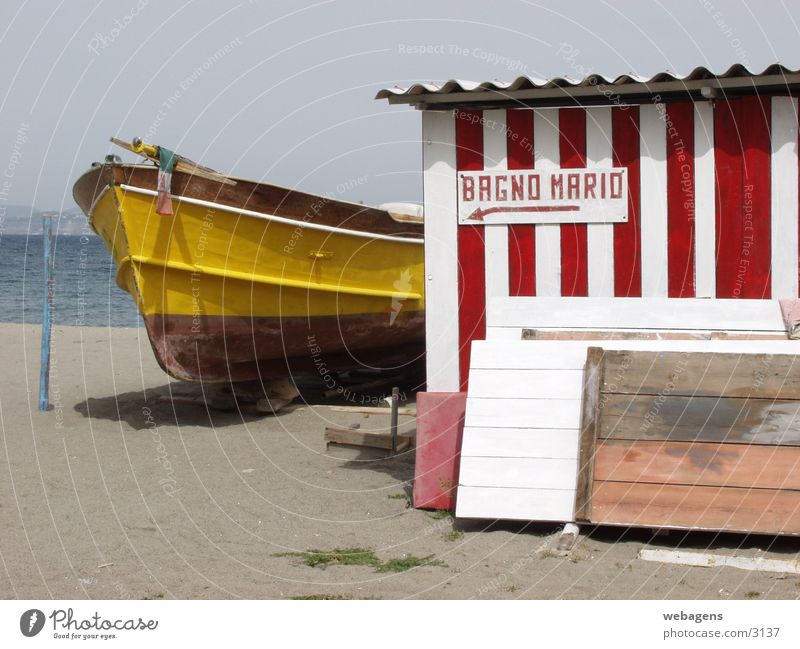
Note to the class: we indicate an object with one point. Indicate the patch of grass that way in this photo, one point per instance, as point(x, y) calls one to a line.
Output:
point(402, 496)
point(337, 556)
point(439, 514)
point(359, 557)
point(453, 535)
point(406, 563)
point(572, 556)
point(752, 594)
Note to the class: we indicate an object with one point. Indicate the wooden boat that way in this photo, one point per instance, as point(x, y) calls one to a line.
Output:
point(249, 281)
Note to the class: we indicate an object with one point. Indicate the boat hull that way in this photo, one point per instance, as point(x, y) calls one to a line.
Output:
point(232, 293)
point(238, 349)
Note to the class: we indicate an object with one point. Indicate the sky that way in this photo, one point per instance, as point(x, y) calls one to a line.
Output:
point(283, 91)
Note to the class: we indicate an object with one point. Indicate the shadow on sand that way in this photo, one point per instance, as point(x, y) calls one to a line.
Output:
point(177, 404)
point(399, 467)
point(188, 404)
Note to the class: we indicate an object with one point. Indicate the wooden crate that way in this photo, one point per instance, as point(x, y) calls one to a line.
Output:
point(691, 440)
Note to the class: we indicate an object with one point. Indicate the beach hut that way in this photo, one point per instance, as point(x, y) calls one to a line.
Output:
point(610, 267)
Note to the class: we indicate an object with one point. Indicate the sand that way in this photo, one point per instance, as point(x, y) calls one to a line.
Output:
point(118, 492)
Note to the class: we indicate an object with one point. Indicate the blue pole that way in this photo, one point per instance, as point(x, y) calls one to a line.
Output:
point(47, 311)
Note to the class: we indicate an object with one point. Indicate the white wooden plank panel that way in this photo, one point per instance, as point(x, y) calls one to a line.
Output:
point(496, 260)
point(520, 442)
point(441, 260)
point(571, 354)
point(495, 157)
point(704, 201)
point(548, 236)
point(548, 259)
point(495, 150)
point(653, 210)
point(636, 313)
point(522, 384)
point(599, 236)
point(523, 413)
point(524, 354)
point(784, 197)
point(516, 504)
point(503, 333)
point(518, 472)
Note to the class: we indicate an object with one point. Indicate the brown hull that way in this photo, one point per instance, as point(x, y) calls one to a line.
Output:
point(217, 349)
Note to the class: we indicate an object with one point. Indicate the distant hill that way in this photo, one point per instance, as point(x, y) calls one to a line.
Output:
point(23, 219)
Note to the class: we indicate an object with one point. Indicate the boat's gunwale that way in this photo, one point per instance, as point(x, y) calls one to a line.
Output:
point(271, 217)
point(146, 166)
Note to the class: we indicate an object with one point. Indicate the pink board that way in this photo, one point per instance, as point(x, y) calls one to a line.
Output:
point(440, 425)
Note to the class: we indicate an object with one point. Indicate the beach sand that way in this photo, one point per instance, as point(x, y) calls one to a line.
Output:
point(117, 492)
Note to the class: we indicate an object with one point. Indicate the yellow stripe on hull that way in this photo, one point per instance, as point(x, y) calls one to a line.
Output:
point(216, 262)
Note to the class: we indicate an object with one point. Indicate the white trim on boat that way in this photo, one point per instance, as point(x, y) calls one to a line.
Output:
point(271, 217)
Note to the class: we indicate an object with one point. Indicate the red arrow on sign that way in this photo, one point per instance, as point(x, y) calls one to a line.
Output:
point(480, 212)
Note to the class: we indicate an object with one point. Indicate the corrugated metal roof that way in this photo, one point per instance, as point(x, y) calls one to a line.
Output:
point(455, 91)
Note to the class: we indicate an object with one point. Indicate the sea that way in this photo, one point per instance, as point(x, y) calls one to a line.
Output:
point(85, 293)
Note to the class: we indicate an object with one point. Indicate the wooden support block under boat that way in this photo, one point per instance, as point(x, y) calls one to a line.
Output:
point(408, 411)
point(371, 439)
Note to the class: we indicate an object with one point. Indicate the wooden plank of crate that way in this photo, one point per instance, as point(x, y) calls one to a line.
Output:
point(523, 413)
point(518, 472)
point(768, 376)
point(766, 511)
point(366, 438)
point(635, 313)
point(611, 334)
point(515, 504)
point(525, 384)
point(571, 354)
point(693, 463)
point(409, 411)
point(590, 420)
point(703, 419)
point(523, 333)
point(520, 442)
point(509, 355)
point(713, 560)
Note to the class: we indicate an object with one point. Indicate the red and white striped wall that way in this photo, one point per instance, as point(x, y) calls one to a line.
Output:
point(713, 211)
